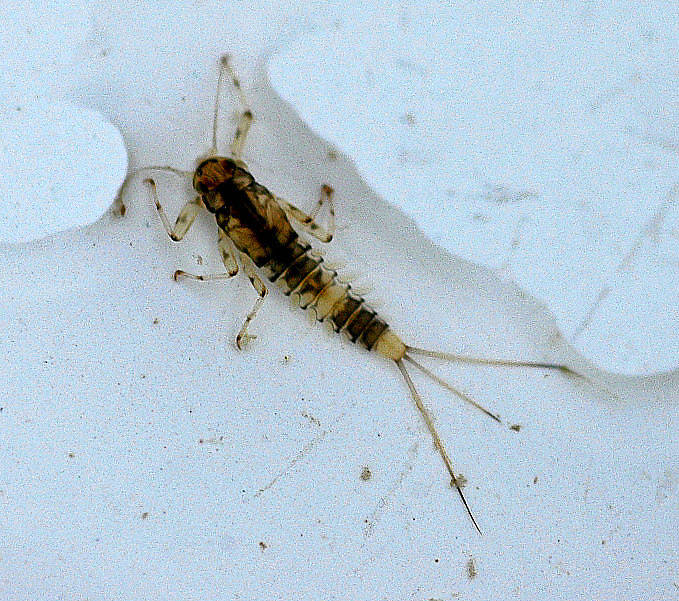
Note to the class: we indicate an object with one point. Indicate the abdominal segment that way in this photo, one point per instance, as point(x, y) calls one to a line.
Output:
point(317, 286)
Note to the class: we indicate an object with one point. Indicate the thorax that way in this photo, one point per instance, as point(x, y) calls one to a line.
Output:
point(245, 210)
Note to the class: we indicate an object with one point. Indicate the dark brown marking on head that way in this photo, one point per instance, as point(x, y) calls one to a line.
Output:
point(211, 179)
point(213, 172)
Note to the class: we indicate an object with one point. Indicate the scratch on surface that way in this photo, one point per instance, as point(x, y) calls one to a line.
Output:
point(654, 140)
point(314, 420)
point(666, 486)
point(300, 455)
point(607, 95)
point(411, 67)
point(302, 452)
point(650, 232)
point(506, 267)
point(385, 500)
point(505, 194)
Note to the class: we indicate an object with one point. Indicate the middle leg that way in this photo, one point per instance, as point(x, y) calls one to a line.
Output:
point(308, 222)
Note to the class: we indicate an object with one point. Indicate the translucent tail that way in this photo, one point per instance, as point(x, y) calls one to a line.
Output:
point(437, 441)
point(411, 350)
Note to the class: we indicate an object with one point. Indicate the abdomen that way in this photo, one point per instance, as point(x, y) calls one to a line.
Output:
point(298, 272)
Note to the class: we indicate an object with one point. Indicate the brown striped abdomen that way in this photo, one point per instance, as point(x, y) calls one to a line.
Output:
point(299, 272)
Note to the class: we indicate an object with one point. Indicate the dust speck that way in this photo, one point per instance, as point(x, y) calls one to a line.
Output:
point(366, 474)
point(461, 481)
point(313, 419)
point(472, 572)
point(666, 486)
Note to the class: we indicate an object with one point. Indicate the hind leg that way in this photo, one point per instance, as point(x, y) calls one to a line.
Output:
point(243, 337)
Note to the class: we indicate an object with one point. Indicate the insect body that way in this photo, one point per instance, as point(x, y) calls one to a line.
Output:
point(254, 221)
point(256, 226)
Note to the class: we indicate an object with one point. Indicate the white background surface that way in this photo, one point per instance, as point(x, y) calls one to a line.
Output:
point(142, 456)
point(541, 142)
point(49, 154)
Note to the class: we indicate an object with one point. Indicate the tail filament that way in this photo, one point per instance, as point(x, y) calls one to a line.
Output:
point(438, 443)
point(437, 440)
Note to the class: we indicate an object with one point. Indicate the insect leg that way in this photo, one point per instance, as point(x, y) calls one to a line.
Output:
point(226, 250)
point(243, 337)
point(121, 208)
point(185, 218)
point(308, 222)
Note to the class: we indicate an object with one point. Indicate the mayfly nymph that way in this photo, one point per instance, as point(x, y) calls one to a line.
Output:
point(255, 226)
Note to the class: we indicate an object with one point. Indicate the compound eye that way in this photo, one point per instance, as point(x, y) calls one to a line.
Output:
point(202, 182)
point(197, 181)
